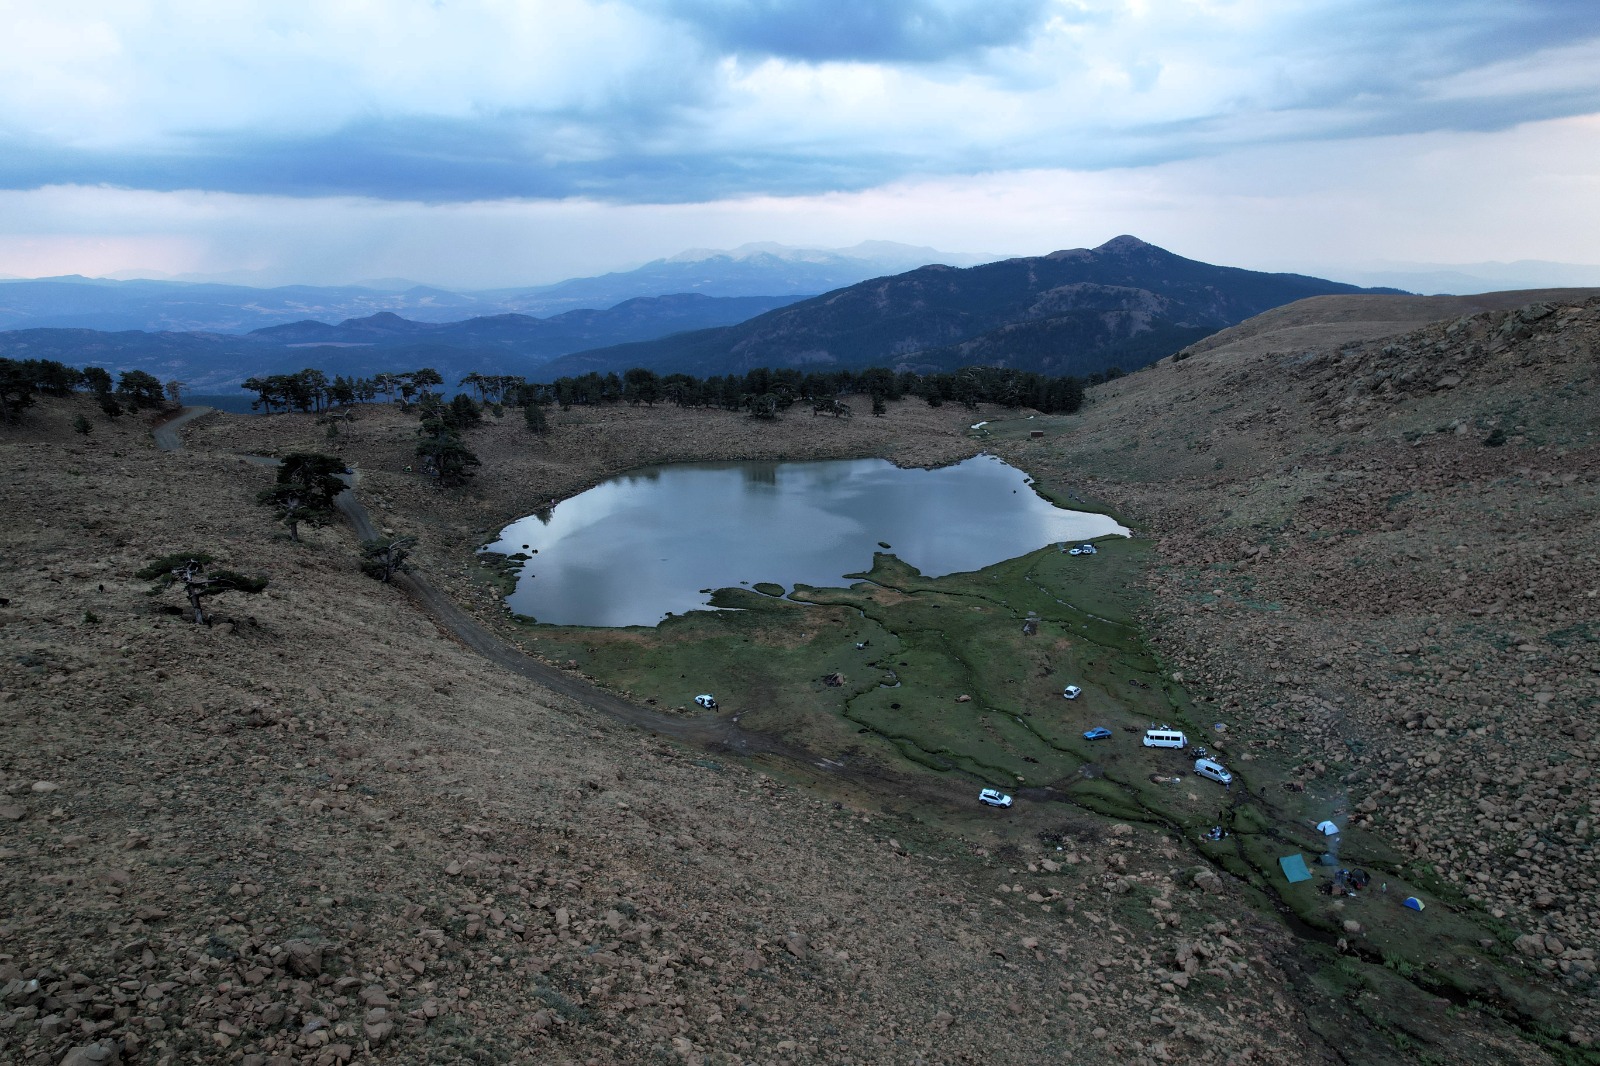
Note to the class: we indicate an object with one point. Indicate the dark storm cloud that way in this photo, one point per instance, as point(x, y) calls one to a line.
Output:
point(433, 161)
point(743, 103)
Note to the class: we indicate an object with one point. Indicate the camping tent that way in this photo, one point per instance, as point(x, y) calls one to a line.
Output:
point(1413, 902)
point(1327, 828)
point(1294, 868)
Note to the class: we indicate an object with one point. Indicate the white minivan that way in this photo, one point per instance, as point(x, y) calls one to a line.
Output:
point(1212, 769)
point(1165, 738)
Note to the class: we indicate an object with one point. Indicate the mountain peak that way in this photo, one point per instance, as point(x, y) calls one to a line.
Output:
point(1123, 245)
point(380, 320)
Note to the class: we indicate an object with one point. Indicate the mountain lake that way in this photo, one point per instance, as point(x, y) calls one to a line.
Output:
point(658, 540)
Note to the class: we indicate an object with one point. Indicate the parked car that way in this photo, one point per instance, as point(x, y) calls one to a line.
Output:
point(994, 798)
point(1071, 692)
point(1099, 732)
point(1088, 549)
point(1074, 551)
point(706, 700)
point(1213, 769)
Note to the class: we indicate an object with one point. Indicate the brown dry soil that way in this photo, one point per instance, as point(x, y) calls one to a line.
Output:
point(327, 830)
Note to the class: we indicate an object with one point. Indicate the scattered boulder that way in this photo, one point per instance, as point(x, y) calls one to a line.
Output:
point(102, 1053)
point(303, 957)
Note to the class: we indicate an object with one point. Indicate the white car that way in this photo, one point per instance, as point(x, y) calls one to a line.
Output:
point(1213, 769)
point(994, 798)
point(706, 700)
point(1071, 692)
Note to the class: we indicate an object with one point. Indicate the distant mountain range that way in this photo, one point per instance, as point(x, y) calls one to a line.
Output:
point(749, 270)
point(361, 347)
point(764, 270)
point(1462, 279)
point(1124, 303)
point(176, 306)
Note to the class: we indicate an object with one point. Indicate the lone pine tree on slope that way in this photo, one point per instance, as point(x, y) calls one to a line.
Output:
point(193, 571)
point(308, 483)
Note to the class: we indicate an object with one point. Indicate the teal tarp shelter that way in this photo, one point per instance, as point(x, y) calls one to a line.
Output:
point(1294, 868)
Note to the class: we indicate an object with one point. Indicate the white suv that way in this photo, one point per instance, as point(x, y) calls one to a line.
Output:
point(994, 798)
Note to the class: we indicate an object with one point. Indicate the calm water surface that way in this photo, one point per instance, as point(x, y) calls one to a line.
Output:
point(647, 544)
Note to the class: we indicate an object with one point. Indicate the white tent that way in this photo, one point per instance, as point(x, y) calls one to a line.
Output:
point(1327, 828)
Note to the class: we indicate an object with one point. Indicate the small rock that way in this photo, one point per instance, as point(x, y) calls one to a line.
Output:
point(103, 1053)
point(303, 957)
point(50, 786)
point(1530, 944)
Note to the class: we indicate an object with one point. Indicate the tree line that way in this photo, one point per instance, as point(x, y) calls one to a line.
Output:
point(764, 392)
point(23, 380)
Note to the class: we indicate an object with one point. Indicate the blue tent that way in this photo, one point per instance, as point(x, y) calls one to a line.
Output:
point(1294, 868)
point(1413, 902)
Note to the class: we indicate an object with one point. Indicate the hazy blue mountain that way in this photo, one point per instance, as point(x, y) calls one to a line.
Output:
point(157, 306)
point(1123, 303)
point(765, 270)
point(501, 344)
point(1464, 279)
point(750, 270)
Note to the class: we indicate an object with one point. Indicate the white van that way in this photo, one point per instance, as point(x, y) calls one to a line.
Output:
point(1165, 738)
point(1213, 769)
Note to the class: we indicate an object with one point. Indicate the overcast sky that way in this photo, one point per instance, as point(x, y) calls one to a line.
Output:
point(490, 142)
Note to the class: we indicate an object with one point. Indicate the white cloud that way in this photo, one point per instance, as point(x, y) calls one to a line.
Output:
point(688, 99)
point(1463, 197)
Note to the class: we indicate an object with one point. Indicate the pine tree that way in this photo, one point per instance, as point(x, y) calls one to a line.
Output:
point(193, 571)
point(308, 483)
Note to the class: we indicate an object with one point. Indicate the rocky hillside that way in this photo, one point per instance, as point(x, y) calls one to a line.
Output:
point(1074, 311)
point(322, 830)
point(1377, 524)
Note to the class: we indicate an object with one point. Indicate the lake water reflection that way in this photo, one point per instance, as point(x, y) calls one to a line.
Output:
point(643, 545)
